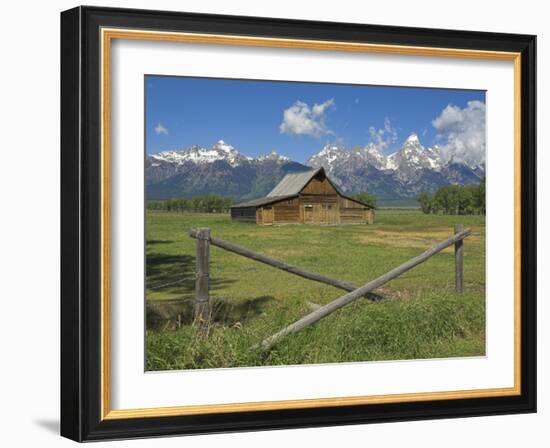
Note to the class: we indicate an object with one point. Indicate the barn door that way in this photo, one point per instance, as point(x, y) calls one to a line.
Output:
point(332, 217)
point(308, 214)
point(268, 215)
point(323, 214)
point(317, 212)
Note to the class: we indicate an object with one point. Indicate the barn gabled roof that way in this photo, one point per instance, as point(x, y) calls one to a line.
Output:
point(293, 183)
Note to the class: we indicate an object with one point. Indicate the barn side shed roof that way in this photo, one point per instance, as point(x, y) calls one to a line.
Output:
point(262, 201)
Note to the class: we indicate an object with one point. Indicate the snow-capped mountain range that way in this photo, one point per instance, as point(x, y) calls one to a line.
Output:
point(222, 169)
point(196, 154)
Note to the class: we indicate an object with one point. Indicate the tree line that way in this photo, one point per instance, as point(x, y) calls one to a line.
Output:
point(198, 204)
point(365, 198)
point(455, 200)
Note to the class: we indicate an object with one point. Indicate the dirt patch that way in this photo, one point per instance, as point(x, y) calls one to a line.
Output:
point(284, 253)
point(424, 239)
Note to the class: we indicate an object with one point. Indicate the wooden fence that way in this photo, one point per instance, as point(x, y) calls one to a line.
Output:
point(354, 292)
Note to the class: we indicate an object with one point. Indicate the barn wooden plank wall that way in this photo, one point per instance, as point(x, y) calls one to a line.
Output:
point(286, 212)
point(247, 214)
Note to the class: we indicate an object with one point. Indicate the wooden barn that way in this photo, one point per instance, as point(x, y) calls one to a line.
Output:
point(304, 198)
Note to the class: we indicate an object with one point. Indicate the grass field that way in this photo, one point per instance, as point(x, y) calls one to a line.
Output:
point(418, 315)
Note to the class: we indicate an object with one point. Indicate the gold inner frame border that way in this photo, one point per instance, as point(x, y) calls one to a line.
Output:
point(107, 36)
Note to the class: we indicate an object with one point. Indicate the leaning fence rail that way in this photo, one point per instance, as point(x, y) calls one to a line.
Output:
point(202, 306)
point(344, 300)
point(231, 247)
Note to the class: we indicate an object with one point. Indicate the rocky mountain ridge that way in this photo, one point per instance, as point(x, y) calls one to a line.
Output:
point(224, 170)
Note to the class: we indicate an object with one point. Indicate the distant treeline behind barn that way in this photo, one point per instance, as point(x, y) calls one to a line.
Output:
point(455, 200)
point(199, 204)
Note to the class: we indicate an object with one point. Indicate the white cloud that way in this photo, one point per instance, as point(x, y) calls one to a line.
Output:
point(160, 129)
point(383, 138)
point(301, 119)
point(463, 132)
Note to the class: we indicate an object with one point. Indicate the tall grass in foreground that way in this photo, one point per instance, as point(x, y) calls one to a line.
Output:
point(435, 326)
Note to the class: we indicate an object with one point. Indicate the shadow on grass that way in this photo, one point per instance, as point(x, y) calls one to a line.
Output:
point(175, 275)
point(171, 314)
point(374, 297)
point(227, 313)
point(151, 242)
point(170, 274)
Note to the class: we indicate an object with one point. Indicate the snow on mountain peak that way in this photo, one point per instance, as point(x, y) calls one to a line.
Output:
point(329, 158)
point(409, 160)
point(273, 155)
point(371, 154)
point(372, 148)
point(330, 148)
point(413, 138)
point(219, 151)
point(222, 146)
point(391, 164)
point(330, 153)
point(413, 157)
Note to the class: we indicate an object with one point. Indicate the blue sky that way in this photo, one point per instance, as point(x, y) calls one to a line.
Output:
point(294, 119)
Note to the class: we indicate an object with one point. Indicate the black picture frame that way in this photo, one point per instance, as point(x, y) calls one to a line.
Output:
point(81, 224)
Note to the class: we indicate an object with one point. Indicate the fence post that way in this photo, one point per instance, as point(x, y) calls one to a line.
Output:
point(459, 261)
point(202, 281)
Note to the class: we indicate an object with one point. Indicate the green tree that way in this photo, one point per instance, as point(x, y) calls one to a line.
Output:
point(426, 202)
point(199, 204)
point(447, 199)
point(366, 198)
point(454, 200)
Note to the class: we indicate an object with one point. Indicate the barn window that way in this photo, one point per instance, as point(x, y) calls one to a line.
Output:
point(308, 206)
point(289, 202)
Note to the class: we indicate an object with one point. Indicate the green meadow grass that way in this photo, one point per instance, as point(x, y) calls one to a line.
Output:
point(417, 315)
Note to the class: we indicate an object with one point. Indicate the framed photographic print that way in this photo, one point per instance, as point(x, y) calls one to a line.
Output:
point(276, 224)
